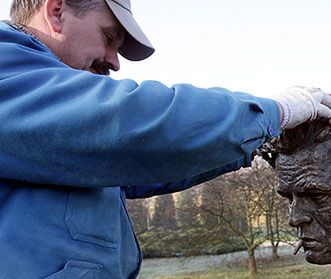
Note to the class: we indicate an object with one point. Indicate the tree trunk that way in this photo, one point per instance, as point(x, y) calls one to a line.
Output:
point(274, 251)
point(251, 262)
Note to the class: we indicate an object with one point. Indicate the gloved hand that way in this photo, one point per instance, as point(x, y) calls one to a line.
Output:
point(301, 104)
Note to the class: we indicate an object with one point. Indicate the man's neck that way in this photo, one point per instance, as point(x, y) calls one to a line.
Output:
point(32, 32)
point(39, 28)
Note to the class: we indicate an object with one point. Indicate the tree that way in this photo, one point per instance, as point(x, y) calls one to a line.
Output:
point(185, 205)
point(245, 201)
point(139, 214)
point(272, 206)
point(164, 212)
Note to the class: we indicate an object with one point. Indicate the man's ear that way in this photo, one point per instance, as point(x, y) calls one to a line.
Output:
point(53, 14)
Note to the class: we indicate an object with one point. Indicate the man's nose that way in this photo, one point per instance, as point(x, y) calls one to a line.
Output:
point(112, 59)
point(298, 214)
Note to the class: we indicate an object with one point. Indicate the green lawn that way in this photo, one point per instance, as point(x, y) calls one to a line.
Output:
point(285, 268)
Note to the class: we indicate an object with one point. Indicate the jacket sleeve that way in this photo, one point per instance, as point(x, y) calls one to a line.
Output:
point(70, 127)
point(146, 191)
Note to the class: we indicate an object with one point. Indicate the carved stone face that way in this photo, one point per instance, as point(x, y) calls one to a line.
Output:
point(305, 179)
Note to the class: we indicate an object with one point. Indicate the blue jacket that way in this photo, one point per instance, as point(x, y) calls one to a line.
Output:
point(75, 145)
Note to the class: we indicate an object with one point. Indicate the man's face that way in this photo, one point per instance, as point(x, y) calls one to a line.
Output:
point(305, 181)
point(91, 42)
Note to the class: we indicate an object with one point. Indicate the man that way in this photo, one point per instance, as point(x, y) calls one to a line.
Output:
point(75, 143)
point(303, 168)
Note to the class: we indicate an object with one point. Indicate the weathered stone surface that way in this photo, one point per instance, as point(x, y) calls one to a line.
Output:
point(302, 160)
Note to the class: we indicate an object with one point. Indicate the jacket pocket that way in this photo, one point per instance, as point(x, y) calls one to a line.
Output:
point(93, 216)
point(78, 270)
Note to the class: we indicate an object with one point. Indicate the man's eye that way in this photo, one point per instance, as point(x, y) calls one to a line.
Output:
point(109, 39)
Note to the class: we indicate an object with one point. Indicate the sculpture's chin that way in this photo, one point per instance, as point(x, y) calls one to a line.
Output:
point(318, 257)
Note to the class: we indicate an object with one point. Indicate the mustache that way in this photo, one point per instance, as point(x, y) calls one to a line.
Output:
point(101, 67)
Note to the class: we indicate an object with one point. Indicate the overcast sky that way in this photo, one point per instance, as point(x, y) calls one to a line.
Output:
point(256, 46)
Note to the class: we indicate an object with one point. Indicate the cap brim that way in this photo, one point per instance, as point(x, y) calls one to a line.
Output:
point(136, 45)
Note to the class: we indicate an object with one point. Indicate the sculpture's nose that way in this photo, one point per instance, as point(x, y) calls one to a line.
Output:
point(298, 213)
point(299, 220)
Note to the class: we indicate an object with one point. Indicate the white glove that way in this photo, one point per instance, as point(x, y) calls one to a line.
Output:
point(301, 104)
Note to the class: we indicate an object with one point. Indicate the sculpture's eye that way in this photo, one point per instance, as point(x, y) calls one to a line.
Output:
point(288, 196)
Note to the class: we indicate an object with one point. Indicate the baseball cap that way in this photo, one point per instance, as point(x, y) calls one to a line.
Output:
point(136, 45)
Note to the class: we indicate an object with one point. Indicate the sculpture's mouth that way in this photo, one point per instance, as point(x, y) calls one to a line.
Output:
point(310, 244)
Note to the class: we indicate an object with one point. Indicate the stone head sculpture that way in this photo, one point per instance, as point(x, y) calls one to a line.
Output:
point(302, 160)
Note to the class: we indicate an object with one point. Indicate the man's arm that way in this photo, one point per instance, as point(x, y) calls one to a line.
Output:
point(146, 191)
point(70, 127)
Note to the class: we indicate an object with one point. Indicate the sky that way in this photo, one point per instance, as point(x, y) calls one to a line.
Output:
point(256, 46)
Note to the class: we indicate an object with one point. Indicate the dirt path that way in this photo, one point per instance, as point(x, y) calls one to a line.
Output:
point(152, 268)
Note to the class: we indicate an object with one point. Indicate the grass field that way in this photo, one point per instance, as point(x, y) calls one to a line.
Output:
point(285, 268)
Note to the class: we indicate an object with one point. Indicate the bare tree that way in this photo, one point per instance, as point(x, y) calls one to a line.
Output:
point(247, 203)
point(185, 205)
point(164, 212)
point(139, 214)
point(273, 206)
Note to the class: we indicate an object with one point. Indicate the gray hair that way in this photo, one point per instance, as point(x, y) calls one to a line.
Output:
point(21, 11)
